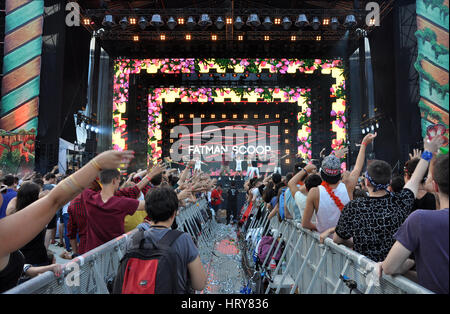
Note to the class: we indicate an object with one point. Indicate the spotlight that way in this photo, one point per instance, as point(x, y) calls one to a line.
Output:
point(88, 126)
point(277, 21)
point(326, 21)
point(253, 20)
point(96, 130)
point(238, 23)
point(286, 23)
point(162, 37)
point(372, 127)
point(156, 21)
point(82, 125)
point(377, 125)
point(302, 21)
point(213, 37)
point(132, 21)
point(266, 37)
point(229, 20)
point(188, 37)
point(220, 23)
point(171, 23)
point(240, 37)
point(318, 38)
point(86, 21)
point(267, 23)
point(350, 21)
point(108, 21)
point(190, 22)
point(334, 23)
point(181, 20)
point(124, 22)
point(205, 21)
point(315, 23)
point(143, 22)
point(367, 130)
point(293, 38)
point(135, 38)
point(363, 131)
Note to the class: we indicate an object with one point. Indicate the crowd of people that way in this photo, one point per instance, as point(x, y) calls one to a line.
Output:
point(95, 204)
point(399, 222)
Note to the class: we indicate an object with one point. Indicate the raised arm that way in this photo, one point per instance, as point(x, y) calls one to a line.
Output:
point(421, 168)
point(352, 179)
point(32, 219)
point(292, 184)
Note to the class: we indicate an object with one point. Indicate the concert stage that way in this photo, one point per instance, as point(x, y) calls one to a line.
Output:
point(271, 110)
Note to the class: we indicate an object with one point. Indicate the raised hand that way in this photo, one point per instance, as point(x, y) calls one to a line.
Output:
point(434, 144)
point(416, 154)
point(369, 138)
point(341, 152)
point(113, 159)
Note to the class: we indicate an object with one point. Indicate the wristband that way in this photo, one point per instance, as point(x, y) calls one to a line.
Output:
point(365, 144)
point(426, 155)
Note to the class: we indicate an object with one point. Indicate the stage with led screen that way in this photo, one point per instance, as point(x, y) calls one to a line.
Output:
point(307, 95)
point(220, 133)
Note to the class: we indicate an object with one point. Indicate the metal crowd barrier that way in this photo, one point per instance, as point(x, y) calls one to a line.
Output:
point(308, 267)
point(91, 272)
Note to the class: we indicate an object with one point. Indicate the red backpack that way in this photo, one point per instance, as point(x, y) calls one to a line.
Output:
point(149, 270)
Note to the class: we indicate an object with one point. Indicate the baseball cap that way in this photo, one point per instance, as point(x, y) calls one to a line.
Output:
point(331, 165)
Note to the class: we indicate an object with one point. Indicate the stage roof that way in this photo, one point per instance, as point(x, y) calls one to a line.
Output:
point(125, 37)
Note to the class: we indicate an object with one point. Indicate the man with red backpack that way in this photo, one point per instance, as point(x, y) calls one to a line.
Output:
point(160, 260)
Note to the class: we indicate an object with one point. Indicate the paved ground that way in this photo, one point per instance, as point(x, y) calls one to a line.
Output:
point(222, 261)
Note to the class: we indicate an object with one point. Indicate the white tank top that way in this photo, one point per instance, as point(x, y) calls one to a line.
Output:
point(328, 213)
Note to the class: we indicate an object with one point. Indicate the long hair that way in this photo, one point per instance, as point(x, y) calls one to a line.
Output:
point(27, 194)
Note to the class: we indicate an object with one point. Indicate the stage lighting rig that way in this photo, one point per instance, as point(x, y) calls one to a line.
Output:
point(267, 23)
point(315, 23)
point(286, 23)
point(238, 23)
point(253, 21)
point(108, 21)
point(334, 23)
point(156, 21)
point(220, 23)
point(190, 23)
point(302, 21)
point(124, 22)
point(350, 22)
point(143, 22)
point(204, 21)
point(171, 23)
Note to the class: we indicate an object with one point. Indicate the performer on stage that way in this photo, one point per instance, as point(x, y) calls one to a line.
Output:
point(198, 164)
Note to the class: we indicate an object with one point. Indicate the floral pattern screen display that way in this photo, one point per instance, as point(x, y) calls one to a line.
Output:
point(123, 68)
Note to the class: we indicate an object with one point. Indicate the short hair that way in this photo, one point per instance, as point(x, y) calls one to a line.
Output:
point(397, 183)
point(39, 182)
point(108, 175)
point(313, 181)
point(276, 178)
point(357, 193)
point(49, 176)
point(410, 166)
point(380, 172)
point(8, 180)
point(440, 173)
point(156, 180)
point(161, 203)
point(27, 194)
point(289, 176)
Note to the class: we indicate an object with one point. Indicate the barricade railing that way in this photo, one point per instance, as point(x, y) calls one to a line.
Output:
point(92, 272)
point(308, 266)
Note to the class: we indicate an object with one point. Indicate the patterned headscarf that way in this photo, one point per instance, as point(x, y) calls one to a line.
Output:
point(376, 186)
